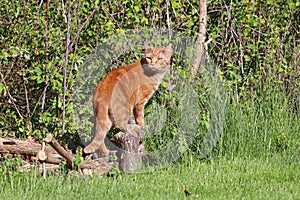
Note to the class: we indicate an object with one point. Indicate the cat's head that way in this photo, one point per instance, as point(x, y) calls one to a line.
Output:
point(157, 60)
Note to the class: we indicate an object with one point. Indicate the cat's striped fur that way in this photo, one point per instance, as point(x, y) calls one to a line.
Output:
point(124, 91)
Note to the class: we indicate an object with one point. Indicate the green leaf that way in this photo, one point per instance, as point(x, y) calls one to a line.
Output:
point(292, 6)
point(136, 8)
point(2, 89)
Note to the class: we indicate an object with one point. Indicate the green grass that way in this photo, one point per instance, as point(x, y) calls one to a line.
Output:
point(261, 126)
point(256, 157)
point(271, 178)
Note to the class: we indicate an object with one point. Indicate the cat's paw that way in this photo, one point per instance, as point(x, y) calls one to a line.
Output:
point(137, 133)
point(133, 129)
point(90, 156)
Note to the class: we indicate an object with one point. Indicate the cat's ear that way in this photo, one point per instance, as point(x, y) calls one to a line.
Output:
point(169, 50)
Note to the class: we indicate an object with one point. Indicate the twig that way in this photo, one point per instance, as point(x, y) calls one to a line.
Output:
point(26, 93)
point(259, 21)
point(65, 72)
point(112, 17)
point(10, 97)
point(46, 52)
point(36, 105)
point(69, 49)
point(40, 5)
point(63, 8)
point(77, 36)
point(168, 20)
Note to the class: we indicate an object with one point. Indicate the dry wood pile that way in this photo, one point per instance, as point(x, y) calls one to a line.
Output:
point(49, 157)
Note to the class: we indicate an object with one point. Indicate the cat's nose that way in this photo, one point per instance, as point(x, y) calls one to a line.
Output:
point(154, 60)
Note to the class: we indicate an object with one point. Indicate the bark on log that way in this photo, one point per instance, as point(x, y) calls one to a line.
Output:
point(53, 160)
point(69, 157)
point(18, 149)
point(4, 141)
point(100, 166)
point(16, 146)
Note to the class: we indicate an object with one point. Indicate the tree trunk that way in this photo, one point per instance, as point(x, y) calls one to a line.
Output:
point(200, 41)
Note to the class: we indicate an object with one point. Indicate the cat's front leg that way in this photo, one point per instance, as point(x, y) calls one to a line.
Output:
point(127, 127)
point(138, 112)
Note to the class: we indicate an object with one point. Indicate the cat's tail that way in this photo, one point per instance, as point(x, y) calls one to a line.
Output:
point(102, 126)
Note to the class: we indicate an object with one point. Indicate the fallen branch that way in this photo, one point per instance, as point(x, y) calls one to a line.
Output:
point(69, 157)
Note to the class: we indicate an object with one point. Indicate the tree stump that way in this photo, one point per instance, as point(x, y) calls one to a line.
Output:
point(131, 151)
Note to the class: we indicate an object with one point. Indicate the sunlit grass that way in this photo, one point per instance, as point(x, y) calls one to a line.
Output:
point(270, 178)
point(257, 157)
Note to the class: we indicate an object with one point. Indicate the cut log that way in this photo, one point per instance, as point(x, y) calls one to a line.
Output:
point(42, 155)
point(49, 158)
point(18, 149)
point(18, 146)
point(53, 160)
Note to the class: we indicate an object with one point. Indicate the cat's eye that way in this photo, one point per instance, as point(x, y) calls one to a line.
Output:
point(148, 58)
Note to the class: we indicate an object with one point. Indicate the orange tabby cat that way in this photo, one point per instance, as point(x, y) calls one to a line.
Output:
point(124, 91)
